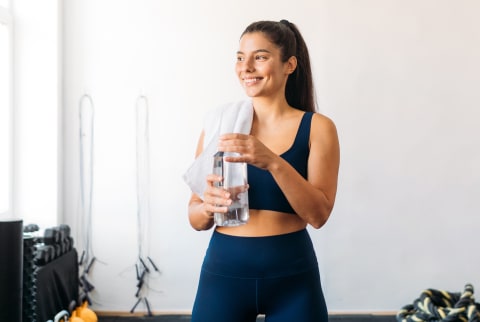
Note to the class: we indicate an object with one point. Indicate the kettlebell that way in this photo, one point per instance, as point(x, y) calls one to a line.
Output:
point(75, 318)
point(61, 316)
point(86, 314)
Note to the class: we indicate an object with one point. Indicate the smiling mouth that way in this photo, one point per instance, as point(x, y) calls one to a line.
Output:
point(251, 80)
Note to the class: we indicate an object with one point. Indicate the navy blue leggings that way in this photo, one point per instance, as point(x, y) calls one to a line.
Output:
point(243, 277)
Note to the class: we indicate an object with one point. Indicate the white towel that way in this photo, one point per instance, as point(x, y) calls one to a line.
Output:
point(230, 118)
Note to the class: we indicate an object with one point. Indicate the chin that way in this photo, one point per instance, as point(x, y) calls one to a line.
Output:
point(252, 93)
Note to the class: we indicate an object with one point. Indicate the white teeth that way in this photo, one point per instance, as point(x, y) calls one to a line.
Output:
point(250, 80)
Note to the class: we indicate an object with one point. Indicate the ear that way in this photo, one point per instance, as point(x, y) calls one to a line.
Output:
point(291, 65)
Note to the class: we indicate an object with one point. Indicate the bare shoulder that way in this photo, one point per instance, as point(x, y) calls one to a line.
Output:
point(322, 127)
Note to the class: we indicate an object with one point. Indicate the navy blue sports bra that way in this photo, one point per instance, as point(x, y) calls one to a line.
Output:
point(263, 192)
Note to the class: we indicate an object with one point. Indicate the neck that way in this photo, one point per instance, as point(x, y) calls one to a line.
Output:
point(270, 107)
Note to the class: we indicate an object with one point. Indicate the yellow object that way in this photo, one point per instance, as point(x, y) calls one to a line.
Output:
point(86, 314)
point(75, 318)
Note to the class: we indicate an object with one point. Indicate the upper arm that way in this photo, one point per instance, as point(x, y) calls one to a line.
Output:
point(324, 158)
point(194, 197)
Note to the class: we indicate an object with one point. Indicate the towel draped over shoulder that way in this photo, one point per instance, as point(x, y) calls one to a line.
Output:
point(229, 118)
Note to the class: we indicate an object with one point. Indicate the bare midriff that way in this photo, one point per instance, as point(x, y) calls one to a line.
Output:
point(265, 223)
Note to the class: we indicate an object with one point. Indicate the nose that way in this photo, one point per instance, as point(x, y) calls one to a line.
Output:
point(247, 65)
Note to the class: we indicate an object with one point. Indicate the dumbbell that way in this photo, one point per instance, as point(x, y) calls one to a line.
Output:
point(31, 228)
point(65, 229)
point(54, 237)
point(51, 236)
point(44, 254)
point(61, 316)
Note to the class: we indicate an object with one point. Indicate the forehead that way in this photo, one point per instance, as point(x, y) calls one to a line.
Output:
point(255, 41)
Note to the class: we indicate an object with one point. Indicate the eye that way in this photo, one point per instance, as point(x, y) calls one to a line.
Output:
point(240, 58)
point(261, 57)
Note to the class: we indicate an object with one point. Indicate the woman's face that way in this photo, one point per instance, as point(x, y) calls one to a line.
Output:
point(259, 66)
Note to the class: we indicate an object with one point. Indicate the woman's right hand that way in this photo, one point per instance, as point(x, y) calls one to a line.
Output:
point(215, 199)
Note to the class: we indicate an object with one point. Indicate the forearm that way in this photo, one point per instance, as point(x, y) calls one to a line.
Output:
point(309, 202)
point(199, 218)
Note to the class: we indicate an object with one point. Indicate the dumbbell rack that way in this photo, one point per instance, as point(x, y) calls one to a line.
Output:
point(29, 303)
point(44, 254)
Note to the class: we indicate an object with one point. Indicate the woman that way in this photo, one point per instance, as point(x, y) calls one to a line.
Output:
point(268, 265)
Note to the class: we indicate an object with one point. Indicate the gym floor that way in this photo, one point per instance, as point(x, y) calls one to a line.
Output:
point(186, 318)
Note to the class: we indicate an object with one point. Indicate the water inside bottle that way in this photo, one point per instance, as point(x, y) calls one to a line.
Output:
point(235, 216)
point(235, 181)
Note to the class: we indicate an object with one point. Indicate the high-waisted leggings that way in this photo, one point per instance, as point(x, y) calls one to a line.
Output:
point(243, 277)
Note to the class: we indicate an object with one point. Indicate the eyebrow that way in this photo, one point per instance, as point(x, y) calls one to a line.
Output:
point(256, 51)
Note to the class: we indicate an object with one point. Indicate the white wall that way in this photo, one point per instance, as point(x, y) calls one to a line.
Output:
point(399, 78)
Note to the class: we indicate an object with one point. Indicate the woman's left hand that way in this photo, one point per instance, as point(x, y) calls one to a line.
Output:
point(251, 149)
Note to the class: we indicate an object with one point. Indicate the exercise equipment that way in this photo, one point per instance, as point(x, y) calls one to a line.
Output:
point(143, 201)
point(85, 313)
point(76, 318)
point(441, 306)
point(31, 228)
point(50, 272)
point(55, 242)
point(64, 316)
point(86, 139)
point(61, 316)
point(29, 303)
point(11, 269)
point(51, 236)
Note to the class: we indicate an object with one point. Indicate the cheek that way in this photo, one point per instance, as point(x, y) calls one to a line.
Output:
point(237, 69)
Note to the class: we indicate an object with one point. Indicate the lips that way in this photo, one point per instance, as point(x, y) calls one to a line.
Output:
point(251, 80)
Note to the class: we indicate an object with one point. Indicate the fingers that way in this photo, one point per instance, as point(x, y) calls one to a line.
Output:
point(216, 204)
point(251, 150)
point(235, 142)
point(212, 179)
point(237, 190)
point(216, 199)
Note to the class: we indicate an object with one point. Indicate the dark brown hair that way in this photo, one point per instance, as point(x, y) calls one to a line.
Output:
point(285, 35)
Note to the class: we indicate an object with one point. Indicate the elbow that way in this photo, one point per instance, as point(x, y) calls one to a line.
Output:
point(317, 224)
point(199, 227)
point(321, 218)
point(196, 225)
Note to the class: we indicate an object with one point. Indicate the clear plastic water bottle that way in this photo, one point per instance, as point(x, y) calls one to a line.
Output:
point(235, 181)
